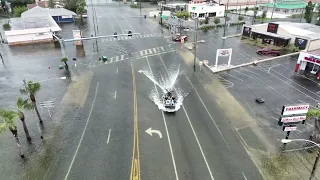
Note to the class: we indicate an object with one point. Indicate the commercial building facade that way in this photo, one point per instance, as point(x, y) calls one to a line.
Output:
point(309, 63)
point(303, 35)
point(284, 6)
point(205, 10)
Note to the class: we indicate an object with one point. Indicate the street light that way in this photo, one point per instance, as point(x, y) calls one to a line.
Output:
point(317, 157)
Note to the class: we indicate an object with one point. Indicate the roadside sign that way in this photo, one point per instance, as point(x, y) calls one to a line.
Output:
point(295, 109)
point(205, 61)
point(182, 40)
point(289, 128)
point(200, 63)
point(47, 104)
point(224, 52)
point(293, 119)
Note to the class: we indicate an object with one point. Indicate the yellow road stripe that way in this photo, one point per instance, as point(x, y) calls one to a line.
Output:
point(135, 166)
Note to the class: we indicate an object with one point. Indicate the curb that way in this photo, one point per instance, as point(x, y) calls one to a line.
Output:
point(250, 63)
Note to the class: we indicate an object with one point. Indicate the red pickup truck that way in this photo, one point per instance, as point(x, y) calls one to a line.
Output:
point(267, 51)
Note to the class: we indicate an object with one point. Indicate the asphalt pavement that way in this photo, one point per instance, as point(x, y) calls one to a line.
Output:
point(97, 139)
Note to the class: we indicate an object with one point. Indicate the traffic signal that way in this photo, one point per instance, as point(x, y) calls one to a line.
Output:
point(129, 33)
point(115, 33)
point(145, 16)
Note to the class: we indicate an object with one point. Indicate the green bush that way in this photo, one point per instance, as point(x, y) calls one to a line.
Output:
point(6, 27)
point(134, 6)
point(18, 10)
point(240, 18)
point(183, 14)
point(216, 20)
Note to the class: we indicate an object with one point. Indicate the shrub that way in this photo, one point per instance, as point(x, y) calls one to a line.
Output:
point(6, 27)
point(18, 10)
point(134, 6)
point(183, 14)
point(240, 18)
point(216, 21)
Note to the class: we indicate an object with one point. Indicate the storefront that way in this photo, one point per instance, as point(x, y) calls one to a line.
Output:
point(308, 63)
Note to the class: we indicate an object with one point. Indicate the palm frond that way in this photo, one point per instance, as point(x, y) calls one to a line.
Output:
point(24, 104)
point(3, 127)
point(313, 113)
point(23, 91)
point(33, 87)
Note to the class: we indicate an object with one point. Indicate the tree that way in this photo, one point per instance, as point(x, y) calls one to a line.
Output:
point(318, 18)
point(308, 12)
point(263, 15)
point(65, 60)
point(183, 14)
point(24, 104)
point(72, 5)
point(314, 114)
point(80, 11)
point(8, 121)
point(31, 89)
point(6, 27)
point(18, 10)
point(216, 21)
point(245, 10)
point(240, 18)
point(51, 4)
point(255, 12)
point(206, 21)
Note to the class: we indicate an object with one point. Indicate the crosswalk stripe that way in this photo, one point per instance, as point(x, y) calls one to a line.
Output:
point(141, 53)
point(117, 58)
point(154, 50)
point(111, 59)
point(122, 57)
point(151, 35)
point(150, 51)
point(162, 48)
point(147, 35)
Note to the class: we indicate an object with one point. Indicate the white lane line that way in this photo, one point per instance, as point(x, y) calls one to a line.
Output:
point(119, 24)
point(272, 67)
point(109, 136)
point(112, 28)
point(205, 107)
point(251, 72)
point(149, 28)
point(292, 87)
point(117, 70)
point(115, 94)
point(244, 176)
point(165, 125)
point(233, 76)
point(317, 94)
point(194, 133)
point(83, 132)
point(129, 24)
point(244, 74)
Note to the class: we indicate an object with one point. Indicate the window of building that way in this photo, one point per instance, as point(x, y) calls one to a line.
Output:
point(201, 15)
point(212, 14)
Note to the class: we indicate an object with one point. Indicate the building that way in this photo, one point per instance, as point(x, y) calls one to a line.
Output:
point(205, 10)
point(284, 6)
point(60, 15)
point(305, 36)
point(309, 63)
point(31, 30)
point(43, 4)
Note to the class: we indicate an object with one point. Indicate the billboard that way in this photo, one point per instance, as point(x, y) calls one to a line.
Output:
point(293, 119)
point(246, 31)
point(289, 128)
point(224, 52)
point(295, 109)
point(301, 43)
point(273, 28)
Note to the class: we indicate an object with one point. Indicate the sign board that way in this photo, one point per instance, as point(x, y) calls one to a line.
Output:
point(246, 31)
point(301, 43)
point(205, 61)
point(46, 104)
point(224, 52)
point(200, 63)
point(289, 128)
point(295, 109)
point(273, 28)
point(293, 119)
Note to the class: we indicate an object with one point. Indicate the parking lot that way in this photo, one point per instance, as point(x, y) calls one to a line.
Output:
point(278, 84)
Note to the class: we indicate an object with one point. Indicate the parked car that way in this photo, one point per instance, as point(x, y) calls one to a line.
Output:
point(178, 38)
point(267, 51)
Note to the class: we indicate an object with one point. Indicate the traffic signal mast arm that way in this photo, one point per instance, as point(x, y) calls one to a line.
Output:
point(98, 37)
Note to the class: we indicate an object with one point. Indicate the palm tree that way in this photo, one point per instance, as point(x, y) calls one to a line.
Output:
point(65, 62)
point(314, 114)
point(9, 118)
point(24, 104)
point(31, 88)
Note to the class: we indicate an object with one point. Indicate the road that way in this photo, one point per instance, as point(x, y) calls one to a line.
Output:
point(105, 138)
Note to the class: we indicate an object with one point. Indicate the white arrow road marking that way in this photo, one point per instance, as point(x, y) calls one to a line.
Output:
point(109, 136)
point(150, 131)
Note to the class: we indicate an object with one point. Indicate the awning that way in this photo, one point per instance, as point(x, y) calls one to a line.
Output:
point(271, 34)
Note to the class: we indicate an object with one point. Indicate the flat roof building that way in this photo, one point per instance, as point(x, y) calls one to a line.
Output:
point(304, 35)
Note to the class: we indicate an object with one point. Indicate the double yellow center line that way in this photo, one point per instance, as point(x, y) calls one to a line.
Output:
point(135, 167)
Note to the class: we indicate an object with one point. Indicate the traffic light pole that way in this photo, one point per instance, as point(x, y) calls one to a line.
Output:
point(161, 14)
point(97, 37)
point(196, 24)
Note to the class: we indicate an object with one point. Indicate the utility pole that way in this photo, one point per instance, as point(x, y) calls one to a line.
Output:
point(274, 6)
point(140, 7)
point(225, 18)
point(196, 24)
point(161, 13)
